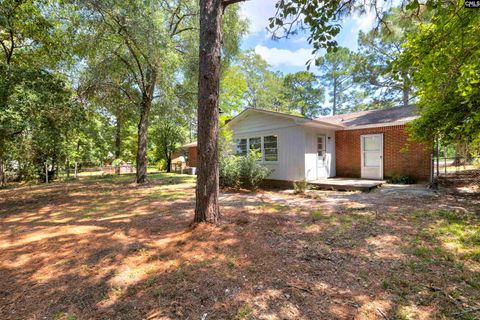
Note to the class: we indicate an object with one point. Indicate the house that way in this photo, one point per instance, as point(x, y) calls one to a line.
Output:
point(368, 144)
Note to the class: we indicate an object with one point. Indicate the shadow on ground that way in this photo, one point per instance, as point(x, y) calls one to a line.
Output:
point(108, 249)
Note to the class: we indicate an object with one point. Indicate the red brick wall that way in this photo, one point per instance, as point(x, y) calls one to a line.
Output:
point(192, 157)
point(400, 156)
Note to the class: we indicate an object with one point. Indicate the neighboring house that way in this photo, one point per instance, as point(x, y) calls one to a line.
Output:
point(189, 153)
point(369, 144)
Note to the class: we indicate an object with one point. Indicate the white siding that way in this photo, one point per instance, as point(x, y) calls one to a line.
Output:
point(291, 143)
point(311, 135)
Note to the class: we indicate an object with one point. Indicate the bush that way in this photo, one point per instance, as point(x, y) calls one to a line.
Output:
point(229, 171)
point(300, 186)
point(243, 172)
point(161, 165)
point(401, 180)
point(251, 172)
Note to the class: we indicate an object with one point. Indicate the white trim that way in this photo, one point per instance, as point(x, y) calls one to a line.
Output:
point(324, 167)
point(298, 119)
point(362, 174)
point(262, 149)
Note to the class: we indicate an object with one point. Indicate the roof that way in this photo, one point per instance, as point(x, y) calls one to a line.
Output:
point(190, 145)
point(298, 119)
point(373, 118)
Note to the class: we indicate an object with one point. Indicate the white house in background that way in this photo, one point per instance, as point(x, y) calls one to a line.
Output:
point(370, 144)
point(295, 148)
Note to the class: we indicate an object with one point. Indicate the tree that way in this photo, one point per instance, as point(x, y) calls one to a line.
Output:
point(304, 94)
point(264, 87)
point(146, 38)
point(444, 55)
point(337, 73)
point(378, 49)
point(28, 61)
point(168, 137)
point(211, 13)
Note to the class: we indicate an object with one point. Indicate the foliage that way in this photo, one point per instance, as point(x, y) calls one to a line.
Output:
point(242, 171)
point(252, 173)
point(300, 186)
point(229, 171)
point(378, 49)
point(337, 73)
point(401, 180)
point(445, 55)
point(304, 94)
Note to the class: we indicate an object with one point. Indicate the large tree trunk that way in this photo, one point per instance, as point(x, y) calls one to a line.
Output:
point(150, 79)
point(142, 140)
point(206, 207)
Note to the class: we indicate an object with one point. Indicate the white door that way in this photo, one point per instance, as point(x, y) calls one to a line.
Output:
point(321, 157)
point(372, 156)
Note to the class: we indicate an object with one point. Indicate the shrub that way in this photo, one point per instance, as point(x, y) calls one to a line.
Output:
point(252, 173)
point(401, 180)
point(244, 171)
point(300, 186)
point(229, 171)
point(161, 165)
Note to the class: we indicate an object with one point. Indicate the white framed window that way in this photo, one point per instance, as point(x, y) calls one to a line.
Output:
point(267, 145)
point(255, 143)
point(270, 148)
point(241, 147)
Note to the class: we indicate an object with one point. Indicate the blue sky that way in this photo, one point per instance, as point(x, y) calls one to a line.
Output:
point(290, 55)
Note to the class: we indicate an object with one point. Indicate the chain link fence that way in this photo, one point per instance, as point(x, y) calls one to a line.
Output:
point(456, 171)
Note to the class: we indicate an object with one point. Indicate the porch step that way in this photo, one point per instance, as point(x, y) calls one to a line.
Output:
point(346, 184)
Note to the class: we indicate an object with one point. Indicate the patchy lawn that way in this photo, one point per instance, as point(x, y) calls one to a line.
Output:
point(104, 248)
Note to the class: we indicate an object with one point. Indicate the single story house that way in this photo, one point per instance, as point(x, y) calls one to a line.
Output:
point(368, 144)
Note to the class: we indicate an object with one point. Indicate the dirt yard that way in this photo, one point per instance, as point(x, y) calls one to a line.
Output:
point(104, 248)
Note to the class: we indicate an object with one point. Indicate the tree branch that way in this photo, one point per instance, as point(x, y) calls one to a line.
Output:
point(226, 3)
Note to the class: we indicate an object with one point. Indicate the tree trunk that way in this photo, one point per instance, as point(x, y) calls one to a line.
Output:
point(150, 80)
point(118, 138)
point(2, 172)
point(334, 111)
point(406, 95)
point(142, 141)
point(206, 207)
point(169, 165)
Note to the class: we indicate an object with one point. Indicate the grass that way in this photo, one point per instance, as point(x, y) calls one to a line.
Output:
point(105, 248)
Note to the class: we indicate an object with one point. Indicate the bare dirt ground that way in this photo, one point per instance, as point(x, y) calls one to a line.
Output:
point(108, 249)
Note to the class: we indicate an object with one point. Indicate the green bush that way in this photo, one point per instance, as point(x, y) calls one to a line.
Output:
point(245, 171)
point(401, 180)
point(251, 172)
point(300, 186)
point(229, 171)
point(161, 165)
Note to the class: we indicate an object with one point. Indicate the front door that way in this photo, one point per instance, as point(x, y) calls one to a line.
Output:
point(372, 156)
point(321, 157)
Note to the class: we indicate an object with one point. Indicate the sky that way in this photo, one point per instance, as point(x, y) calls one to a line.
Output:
point(290, 55)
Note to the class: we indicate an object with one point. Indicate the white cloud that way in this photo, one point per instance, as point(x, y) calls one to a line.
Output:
point(284, 57)
point(366, 21)
point(258, 12)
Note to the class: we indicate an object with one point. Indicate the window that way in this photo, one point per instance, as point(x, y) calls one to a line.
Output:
point(321, 146)
point(270, 148)
point(242, 147)
point(255, 143)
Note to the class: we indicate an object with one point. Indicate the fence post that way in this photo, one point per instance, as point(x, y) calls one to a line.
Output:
point(433, 179)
